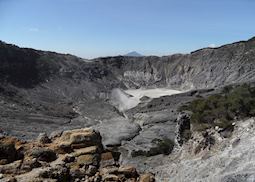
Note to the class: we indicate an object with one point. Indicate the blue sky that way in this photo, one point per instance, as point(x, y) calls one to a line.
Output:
point(93, 28)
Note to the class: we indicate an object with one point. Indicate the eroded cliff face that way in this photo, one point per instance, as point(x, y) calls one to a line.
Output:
point(205, 68)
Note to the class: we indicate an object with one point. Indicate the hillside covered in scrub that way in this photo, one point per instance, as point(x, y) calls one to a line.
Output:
point(232, 103)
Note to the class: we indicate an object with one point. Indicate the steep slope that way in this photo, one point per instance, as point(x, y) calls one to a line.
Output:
point(229, 159)
point(40, 90)
point(204, 68)
point(38, 86)
point(44, 91)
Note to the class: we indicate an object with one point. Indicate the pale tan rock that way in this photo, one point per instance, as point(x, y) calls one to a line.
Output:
point(107, 159)
point(85, 159)
point(88, 159)
point(10, 179)
point(87, 150)
point(79, 138)
point(129, 171)
point(63, 147)
point(147, 178)
point(110, 177)
point(10, 168)
point(66, 135)
point(76, 154)
point(108, 170)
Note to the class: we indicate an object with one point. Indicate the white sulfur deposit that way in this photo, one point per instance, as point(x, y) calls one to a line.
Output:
point(122, 100)
point(152, 93)
point(128, 99)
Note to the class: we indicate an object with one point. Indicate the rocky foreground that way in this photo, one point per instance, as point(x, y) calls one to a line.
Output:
point(210, 157)
point(73, 155)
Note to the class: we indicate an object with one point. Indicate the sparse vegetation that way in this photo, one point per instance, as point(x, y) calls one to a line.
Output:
point(164, 146)
point(221, 109)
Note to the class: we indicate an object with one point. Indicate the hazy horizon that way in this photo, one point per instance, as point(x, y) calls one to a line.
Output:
point(90, 29)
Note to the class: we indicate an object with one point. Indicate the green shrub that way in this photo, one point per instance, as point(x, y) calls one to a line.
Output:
point(221, 109)
point(164, 146)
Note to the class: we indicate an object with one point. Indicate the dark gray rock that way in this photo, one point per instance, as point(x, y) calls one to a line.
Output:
point(55, 134)
point(239, 178)
point(44, 154)
point(183, 127)
point(91, 170)
point(116, 130)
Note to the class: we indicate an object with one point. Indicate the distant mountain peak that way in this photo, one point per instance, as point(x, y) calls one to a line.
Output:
point(133, 54)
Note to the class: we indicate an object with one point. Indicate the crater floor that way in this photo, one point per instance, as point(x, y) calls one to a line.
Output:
point(128, 99)
point(152, 93)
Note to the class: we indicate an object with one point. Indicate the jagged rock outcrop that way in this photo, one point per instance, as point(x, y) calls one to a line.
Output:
point(183, 132)
point(208, 156)
point(76, 155)
point(42, 91)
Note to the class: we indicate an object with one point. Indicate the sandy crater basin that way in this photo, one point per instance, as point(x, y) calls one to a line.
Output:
point(152, 93)
point(127, 99)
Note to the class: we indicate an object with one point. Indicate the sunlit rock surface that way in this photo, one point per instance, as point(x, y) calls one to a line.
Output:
point(230, 159)
point(74, 155)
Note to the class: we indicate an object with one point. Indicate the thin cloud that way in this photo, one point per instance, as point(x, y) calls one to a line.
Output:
point(33, 29)
point(212, 45)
